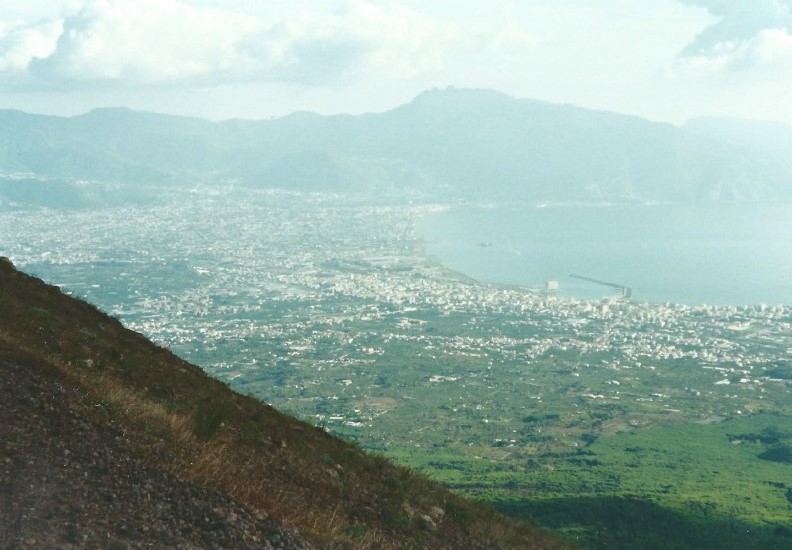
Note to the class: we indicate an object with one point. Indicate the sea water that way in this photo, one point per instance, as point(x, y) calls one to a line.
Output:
point(719, 254)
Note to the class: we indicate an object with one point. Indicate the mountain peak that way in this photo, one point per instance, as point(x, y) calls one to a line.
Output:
point(455, 96)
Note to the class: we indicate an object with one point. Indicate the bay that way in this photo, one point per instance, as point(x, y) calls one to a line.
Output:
point(718, 254)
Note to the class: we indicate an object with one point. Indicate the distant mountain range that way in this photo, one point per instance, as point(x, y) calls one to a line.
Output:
point(452, 143)
point(769, 140)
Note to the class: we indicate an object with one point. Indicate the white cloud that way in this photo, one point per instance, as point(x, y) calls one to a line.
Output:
point(19, 44)
point(773, 47)
point(749, 34)
point(141, 41)
point(164, 42)
point(769, 51)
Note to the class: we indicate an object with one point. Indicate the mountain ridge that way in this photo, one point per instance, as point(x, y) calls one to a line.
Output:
point(448, 144)
point(769, 139)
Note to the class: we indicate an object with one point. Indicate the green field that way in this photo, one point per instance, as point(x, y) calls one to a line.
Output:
point(652, 461)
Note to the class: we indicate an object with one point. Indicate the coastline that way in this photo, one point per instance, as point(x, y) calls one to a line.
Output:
point(692, 265)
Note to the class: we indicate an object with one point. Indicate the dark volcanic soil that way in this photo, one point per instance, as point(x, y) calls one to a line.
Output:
point(69, 479)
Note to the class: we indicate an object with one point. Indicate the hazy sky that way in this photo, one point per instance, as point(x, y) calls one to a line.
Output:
point(661, 59)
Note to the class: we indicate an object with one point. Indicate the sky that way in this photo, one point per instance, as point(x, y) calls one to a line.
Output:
point(664, 60)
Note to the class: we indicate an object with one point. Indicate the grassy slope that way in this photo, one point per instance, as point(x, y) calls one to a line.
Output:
point(195, 427)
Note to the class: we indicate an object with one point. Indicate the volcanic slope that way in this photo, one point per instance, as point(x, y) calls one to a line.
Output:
point(107, 440)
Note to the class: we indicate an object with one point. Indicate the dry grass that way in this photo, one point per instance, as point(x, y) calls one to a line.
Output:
point(198, 429)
